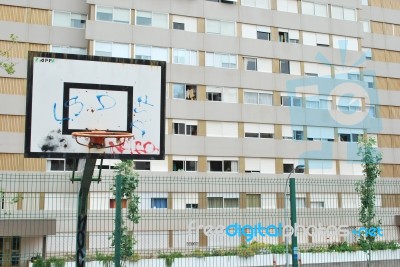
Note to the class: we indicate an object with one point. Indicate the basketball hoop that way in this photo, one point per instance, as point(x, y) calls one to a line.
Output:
point(97, 138)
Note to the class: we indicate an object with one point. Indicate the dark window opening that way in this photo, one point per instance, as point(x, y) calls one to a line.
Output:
point(178, 26)
point(263, 35)
point(142, 165)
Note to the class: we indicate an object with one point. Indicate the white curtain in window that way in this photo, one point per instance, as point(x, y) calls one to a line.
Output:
point(337, 12)
point(230, 95)
point(121, 15)
point(315, 166)
point(159, 53)
point(322, 38)
point(120, 50)
point(228, 28)
point(321, 10)
point(264, 65)
point(349, 14)
point(352, 44)
point(294, 34)
point(292, 6)
point(62, 19)
point(267, 166)
point(214, 128)
point(141, 50)
point(251, 128)
point(249, 31)
point(309, 38)
point(252, 164)
point(160, 20)
point(287, 131)
point(250, 98)
point(295, 68)
point(307, 8)
point(209, 59)
point(213, 26)
point(266, 128)
point(265, 99)
point(229, 129)
point(103, 47)
point(327, 133)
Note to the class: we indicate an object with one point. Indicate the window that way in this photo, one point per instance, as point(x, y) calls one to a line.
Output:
point(158, 20)
point(291, 100)
point(218, 60)
point(284, 66)
point(222, 129)
point(345, 43)
point(258, 64)
point(151, 53)
point(184, 23)
point(222, 201)
point(367, 52)
point(186, 57)
point(185, 127)
point(318, 101)
point(317, 204)
point(287, 6)
point(343, 13)
point(300, 202)
point(107, 49)
point(292, 132)
point(315, 39)
point(265, 4)
point(113, 203)
point(253, 200)
point(349, 135)
point(15, 252)
point(256, 32)
point(314, 9)
point(224, 1)
point(259, 165)
point(68, 19)
point(315, 69)
point(192, 206)
point(258, 98)
point(159, 203)
point(318, 166)
point(61, 165)
point(220, 27)
point(222, 165)
point(370, 81)
point(364, 2)
point(224, 94)
point(366, 26)
point(187, 164)
point(68, 50)
point(347, 73)
point(142, 165)
point(253, 130)
point(371, 111)
point(290, 164)
point(320, 134)
point(286, 36)
point(119, 15)
point(185, 91)
point(349, 104)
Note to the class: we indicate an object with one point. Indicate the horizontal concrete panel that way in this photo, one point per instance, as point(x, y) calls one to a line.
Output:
point(223, 147)
point(257, 16)
point(263, 148)
point(151, 36)
point(108, 31)
point(187, 8)
point(185, 74)
point(290, 115)
point(75, 6)
point(12, 104)
point(384, 69)
point(388, 97)
point(255, 47)
point(347, 151)
point(390, 126)
point(121, 3)
point(11, 142)
point(259, 113)
point(348, 58)
point(151, 5)
point(390, 155)
point(221, 11)
point(220, 43)
point(315, 24)
point(221, 77)
point(287, 51)
point(319, 117)
point(43, 34)
point(287, 20)
point(187, 40)
point(184, 109)
point(187, 145)
point(68, 36)
point(374, 40)
point(257, 80)
point(20, 69)
point(346, 28)
point(219, 111)
point(27, 227)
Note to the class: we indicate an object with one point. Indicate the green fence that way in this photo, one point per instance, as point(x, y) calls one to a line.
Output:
point(194, 220)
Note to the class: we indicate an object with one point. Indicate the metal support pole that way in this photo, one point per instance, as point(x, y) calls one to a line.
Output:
point(82, 212)
point(118, 220)
point(295, 250)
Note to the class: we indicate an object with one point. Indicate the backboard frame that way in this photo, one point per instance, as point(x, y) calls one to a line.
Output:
point(158, 152)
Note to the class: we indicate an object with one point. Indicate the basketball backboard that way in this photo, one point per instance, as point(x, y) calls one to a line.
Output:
point(73, 93)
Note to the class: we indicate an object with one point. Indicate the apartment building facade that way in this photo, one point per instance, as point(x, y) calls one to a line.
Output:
point(254, 88)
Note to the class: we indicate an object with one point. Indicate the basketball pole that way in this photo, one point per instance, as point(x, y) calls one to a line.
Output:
point(82, 211)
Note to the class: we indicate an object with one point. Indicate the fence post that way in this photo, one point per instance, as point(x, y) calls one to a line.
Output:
point(118, 220)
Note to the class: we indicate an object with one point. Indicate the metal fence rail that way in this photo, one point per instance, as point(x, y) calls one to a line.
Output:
point(195, 220)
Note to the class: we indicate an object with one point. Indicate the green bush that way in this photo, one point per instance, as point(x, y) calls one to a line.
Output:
point(56, 262)
point(170, 258)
